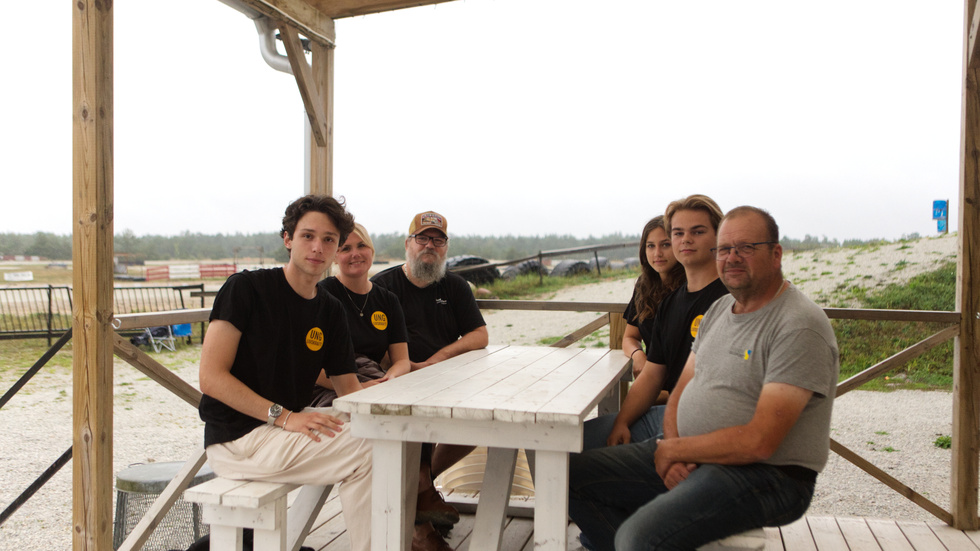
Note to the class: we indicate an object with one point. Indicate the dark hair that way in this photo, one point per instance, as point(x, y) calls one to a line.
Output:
point(650, 288)
point(694, 202)
point(333, 208)
point(772, 229)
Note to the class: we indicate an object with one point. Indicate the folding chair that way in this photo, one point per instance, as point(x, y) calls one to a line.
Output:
point(165, 336)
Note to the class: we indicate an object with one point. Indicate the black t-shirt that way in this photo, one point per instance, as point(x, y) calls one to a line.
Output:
point(676, 325)
point(382, 323)
point(437, 315)
point(632, 317)
point(286, 340)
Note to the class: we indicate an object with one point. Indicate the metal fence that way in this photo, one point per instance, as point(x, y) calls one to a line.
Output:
point(45, 311)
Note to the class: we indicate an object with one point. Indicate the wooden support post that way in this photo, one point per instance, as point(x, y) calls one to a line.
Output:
point(92, 120)
point(321, 157)
point(966, 359)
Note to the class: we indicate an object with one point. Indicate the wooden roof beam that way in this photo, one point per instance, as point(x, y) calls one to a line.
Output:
point(972, 47)
point(303, 73)
point(301, 14)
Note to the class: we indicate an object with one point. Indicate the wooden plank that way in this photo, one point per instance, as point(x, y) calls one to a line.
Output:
point(826, 533)
point(528, 405)
point(314, 22)
point(490, 514)
point(890, 481)
point(123, 322)
point(966, 355)
point(920, 536)
point(857, 534)
point(210, 492)
point(582, 332)
point(303, 513)
point(303, 74)
point(974, 536)
point(92, 210)
point(256, 494)
point(473, 397)
point(889, 535)
point(774, 540)
point(437, 376)
point(551, 500)
point(550, 306)
point(892, 315)
point(321, 158)
point(952, 538)
point(568, 407)
point(897, 360)
point(797, 537)
point(155, 370)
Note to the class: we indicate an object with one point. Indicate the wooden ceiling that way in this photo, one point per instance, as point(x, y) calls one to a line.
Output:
point(314, 18)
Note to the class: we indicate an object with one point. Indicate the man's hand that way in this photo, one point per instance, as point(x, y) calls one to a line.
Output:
point(313, 423)
point(620, 434)
point(672, 473)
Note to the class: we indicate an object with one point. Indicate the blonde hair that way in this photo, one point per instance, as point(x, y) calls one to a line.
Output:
point(363, 234)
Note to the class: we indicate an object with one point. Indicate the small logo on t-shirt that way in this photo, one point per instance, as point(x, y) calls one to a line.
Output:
point(314, 339)
point(695, 324)
point(379, 320)
point(442, 301)
point(748, 354)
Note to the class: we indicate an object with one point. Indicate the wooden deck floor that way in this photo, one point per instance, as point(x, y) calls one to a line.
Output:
point(811, 533)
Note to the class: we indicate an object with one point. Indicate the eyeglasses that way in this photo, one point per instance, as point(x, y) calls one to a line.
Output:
point(424, 240)
point(744, 250)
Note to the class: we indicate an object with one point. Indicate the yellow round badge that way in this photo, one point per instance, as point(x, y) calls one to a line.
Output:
point(379, 320)
point(695, 324)
point(314, 339)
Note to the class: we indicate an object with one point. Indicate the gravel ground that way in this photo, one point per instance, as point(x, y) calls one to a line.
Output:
point(894, 430)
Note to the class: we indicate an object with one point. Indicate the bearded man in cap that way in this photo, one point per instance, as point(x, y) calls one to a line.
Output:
point(443, 321)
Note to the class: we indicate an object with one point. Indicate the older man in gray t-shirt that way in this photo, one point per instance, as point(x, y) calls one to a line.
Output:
point(747, 427)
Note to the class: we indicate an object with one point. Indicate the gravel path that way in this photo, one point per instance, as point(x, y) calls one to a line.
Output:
point(894, 430)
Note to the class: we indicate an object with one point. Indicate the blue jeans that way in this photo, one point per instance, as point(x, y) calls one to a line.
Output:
point(650, 425)
point(619, 502)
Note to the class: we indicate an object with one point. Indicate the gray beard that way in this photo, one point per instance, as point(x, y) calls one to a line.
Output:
point(425, 272)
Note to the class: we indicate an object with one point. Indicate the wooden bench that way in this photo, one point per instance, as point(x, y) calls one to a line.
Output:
point(231, 505)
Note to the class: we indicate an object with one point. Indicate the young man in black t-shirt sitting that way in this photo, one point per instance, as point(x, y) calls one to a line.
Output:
point(271, 333)
point(692, 224)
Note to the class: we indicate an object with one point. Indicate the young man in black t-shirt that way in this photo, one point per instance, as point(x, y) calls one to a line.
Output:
point(692, 224)
point(270, 335)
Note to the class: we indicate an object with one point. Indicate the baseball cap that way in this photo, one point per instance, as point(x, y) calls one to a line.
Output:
point(426, 220)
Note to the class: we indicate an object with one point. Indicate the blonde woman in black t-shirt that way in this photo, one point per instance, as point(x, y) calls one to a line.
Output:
point(374, 316)
point(659, 275)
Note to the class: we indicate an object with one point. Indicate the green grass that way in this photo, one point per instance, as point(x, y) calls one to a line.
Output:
point(944, 441)
point(865, 343)
point(531, 286)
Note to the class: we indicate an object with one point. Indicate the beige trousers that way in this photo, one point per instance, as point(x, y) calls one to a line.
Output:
point(272, 454)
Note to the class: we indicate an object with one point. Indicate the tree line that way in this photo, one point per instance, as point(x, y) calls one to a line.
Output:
point(389, 246)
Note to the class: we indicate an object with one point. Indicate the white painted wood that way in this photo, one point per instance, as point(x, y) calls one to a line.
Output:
point(263, 518)
point(566, 438)
point(889, 535)
point(256, 494)
point(494, 496)
point(303, 512)
point(394, 489)
point(273, 539)
point(226, 538)
point(551, 489)
point(754, 540)
point(534, 398)
point(212, 490)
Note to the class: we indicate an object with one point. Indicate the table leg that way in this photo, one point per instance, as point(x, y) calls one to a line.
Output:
point(394, 485)
point(551, 500)
point(494, 497)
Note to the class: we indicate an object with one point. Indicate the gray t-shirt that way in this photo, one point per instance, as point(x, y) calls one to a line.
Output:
point(790, 341)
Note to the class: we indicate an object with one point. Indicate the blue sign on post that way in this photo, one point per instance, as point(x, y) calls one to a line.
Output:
point(941, 225)
point(939, 210)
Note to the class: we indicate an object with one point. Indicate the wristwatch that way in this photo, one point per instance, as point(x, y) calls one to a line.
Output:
point(275, 410)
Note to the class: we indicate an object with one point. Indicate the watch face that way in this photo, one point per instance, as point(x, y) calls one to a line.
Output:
point(275, 410)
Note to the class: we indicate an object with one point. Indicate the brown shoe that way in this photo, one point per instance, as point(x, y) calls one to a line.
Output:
point(427, 539)
point(431, 507)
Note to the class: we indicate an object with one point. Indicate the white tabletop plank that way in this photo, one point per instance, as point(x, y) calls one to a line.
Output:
point(475, 397)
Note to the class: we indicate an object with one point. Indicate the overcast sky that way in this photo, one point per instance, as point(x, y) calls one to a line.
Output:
point(523, 117)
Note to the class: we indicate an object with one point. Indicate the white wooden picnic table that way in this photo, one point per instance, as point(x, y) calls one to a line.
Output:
point(502, 397)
